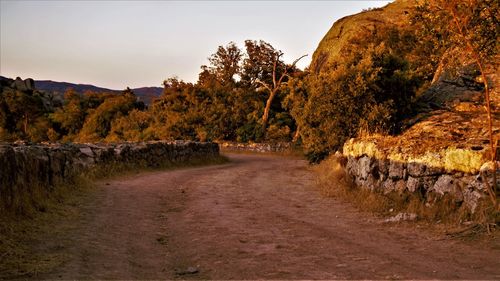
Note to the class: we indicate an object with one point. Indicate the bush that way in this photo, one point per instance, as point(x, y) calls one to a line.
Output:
point(370, 89)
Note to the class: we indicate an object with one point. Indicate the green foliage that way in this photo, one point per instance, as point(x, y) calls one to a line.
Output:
point(369, 90)
point(259, 62)
point(218, 107)
point(97, 124)
point(71, 116)
point(225, 104)
point(22, 115)
point(225, 63)
point(131, 127)
point(174, 116)
point(479, 20)
point(365, 86)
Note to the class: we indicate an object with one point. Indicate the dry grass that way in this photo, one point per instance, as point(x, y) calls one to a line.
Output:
point(333, 181)
point(38, 214)
point(22, 230)
point(114, 169)
point(27, 202)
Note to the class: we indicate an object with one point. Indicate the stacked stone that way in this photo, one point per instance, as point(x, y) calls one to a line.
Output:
point(431, 182)
point(23, 167)
point(257, 147)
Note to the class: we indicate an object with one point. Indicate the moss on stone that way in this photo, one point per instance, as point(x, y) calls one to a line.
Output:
point(450, 159)
point(356, 148)
point(463, 160)
point(431, 159)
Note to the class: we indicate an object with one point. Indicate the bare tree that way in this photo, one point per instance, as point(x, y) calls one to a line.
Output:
point(460, 22)
point(273, 89)
point(474, 29)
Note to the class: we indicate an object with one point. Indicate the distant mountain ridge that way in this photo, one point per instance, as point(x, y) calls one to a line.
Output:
point(145, 94)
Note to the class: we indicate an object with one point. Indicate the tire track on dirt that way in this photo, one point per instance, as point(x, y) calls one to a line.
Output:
point(259, 217)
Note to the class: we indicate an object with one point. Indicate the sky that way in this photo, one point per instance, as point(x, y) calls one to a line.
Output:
point(115, 44)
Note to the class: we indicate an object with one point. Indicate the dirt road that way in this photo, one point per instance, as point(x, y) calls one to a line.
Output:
point(258, 217)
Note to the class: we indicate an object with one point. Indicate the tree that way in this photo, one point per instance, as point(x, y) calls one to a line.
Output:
point(296, 98)
point(98, 122)
point(273, 89)
point(71, 116)
point(21, 110)
point(259, 63)
point(174, 113)
point(135, 126)
point(225, 63)
point(264, 67)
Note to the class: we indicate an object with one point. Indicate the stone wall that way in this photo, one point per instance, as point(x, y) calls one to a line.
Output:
point(23, 167)
point(432, 176)
point(280, 147)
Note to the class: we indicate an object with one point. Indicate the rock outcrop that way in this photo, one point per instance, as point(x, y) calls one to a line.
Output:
point(347, 28)
point(49, 101)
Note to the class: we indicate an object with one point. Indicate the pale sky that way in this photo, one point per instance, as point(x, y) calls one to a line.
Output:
point(115, 44)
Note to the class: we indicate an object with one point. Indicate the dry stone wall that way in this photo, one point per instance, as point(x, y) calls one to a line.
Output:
point(257, 147)
point(431, 176)
point(23, 167)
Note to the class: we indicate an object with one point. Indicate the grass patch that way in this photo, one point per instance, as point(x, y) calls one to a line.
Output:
point(333, 181)
point(113, 169)
point(44, 212)
point(22, 230)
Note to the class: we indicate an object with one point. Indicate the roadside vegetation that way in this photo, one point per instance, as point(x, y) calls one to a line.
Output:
point(458, 220)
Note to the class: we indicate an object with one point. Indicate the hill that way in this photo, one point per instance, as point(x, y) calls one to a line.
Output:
point(145, 94)
point(447, 110)
point(346, 28)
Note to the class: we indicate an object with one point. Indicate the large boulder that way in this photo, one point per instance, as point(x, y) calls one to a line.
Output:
point(19, 85)
point(344, 30)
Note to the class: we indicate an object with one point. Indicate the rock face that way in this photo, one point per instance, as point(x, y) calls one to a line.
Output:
point(26, 168)
point(372, 169)
point(27, 87)
point(347, 28)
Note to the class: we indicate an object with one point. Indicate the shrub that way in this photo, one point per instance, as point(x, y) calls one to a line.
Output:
point(369, 89)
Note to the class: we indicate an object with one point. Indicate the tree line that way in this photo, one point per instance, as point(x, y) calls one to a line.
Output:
point(252, 95)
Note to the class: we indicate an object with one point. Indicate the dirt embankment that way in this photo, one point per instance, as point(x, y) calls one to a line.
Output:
point(259, 217)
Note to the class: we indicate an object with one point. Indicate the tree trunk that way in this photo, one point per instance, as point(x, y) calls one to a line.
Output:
point(492, 190)
point(296, 135)
point(274, 90)
point(439, 71)
point(265, 117)
point(25, 123)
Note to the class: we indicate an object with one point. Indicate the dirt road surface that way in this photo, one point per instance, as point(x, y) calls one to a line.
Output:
point(258, 217)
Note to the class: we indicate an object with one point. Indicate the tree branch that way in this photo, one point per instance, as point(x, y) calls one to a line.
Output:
point(274, 68)
point(263, 84)
point(297, 60)
point(462, 29)
point(285, 74)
